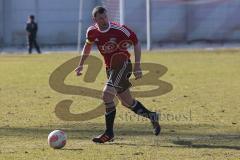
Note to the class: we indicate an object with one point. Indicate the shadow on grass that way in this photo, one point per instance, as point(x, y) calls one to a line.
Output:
point(72, 149)
point(189, 144)
point(187, 135)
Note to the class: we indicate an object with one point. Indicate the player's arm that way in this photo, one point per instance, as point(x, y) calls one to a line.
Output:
point(86, 50)
point(85, 53)
point(137, 71)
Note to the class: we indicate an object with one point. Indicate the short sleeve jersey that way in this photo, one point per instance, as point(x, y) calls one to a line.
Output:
point(114, 40)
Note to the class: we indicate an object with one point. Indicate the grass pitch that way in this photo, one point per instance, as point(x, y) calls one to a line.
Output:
point(200, 116)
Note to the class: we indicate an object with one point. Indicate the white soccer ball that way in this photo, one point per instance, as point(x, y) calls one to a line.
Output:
point(57, 139)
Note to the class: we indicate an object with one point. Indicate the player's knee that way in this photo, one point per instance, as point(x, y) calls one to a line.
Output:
point(108, 101)
point(107, 97)
point(108, 94)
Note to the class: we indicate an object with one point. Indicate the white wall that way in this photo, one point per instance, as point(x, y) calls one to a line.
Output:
point(216, 22)
point(172, 21)
point(185, 21)
point(1, 23)
point(168, 22)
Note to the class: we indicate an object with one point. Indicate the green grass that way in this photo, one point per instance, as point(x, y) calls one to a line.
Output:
point(203, 110)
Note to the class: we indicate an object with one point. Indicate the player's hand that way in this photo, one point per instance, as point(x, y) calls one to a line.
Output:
point(78, 70)
point(137, 71)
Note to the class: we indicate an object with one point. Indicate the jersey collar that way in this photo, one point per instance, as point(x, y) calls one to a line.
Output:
point(104, 31)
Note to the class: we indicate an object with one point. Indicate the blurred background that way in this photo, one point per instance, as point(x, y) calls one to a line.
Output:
point(156, 22)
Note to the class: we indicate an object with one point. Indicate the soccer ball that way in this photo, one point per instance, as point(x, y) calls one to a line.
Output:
point(57, 139)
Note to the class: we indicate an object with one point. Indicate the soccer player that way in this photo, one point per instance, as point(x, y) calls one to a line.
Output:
point(113, 40)
point(31, 29)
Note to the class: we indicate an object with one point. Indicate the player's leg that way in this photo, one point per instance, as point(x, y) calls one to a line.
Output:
point(109, 93)
point(122, 86)
point(30, 45)
point(108, 96)
point(36, 46)
point(137, 107)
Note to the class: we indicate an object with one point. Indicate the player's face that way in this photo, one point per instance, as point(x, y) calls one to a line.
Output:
point(29, 19)
point(101, 20)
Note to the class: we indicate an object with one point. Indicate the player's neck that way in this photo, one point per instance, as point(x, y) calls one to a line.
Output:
point(104, 27)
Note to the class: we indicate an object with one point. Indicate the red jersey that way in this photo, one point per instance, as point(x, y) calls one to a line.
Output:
point(113, 41)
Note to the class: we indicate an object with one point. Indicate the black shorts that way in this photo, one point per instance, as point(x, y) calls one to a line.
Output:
point(119, 77)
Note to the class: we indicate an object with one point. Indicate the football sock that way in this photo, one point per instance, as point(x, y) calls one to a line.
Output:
point(109, 120)
point(139, 109)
